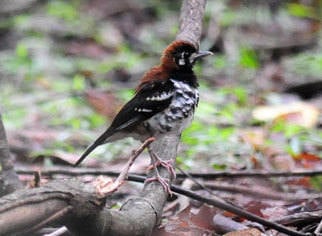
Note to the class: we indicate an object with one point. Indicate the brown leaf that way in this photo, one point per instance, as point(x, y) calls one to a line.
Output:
point(302, 181)
point(203, 218)
point(254, 137)
point(283, 162)
point(87, 48)
point(308, 160)
point(245, 232)
point(103, 102)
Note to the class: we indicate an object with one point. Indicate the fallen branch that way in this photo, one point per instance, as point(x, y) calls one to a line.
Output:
point(300, 218)
point(27, 210)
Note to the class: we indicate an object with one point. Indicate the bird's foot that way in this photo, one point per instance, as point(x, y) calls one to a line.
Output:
point(168, 164)
point(164, 182)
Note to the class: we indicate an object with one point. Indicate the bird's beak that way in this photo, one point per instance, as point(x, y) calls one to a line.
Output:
point(198, 55)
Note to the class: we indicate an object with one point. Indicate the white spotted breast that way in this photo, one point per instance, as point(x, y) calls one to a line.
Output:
point(179, 113)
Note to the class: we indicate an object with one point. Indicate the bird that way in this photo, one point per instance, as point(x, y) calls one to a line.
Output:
point(164, 101)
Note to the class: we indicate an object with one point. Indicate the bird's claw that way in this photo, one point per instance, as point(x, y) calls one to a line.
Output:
point(164, 182)
point(168, 164)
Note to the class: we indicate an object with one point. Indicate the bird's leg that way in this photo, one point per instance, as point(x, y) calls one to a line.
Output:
point(168, 164)
point(164, 182)
point(157, 161)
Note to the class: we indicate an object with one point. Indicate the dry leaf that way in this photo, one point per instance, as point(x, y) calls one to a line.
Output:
point(103, 102)
point(300, 113)
point(246, 232)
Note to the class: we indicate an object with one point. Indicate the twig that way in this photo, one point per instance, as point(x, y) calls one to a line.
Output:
point(209, 187)
point(61, 231)
point(105, 189)
point(301, 217)
point(220, 203)
point(257, 174)
point(72, 171)
point(124, 173)
point(260, 193)
point(52, 218)
point(318, 229)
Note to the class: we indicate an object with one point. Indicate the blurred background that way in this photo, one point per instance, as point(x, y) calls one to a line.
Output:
point(66, 67)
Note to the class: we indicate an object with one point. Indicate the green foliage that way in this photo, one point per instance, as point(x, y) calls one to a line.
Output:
point(218, 166)
point(220, 61)
point(316, 182)
point(125, 58)
point(125, 94)
point(296, 137)
point(227, 18)
point(306, 64)
point(79, 83)
point(200, 136)
point(289, 130)
point(20, 61)
point(65, 10)
point(15, 119)
point(239, 93)
point(248, 58)
point(300, 10)
point(294, 146)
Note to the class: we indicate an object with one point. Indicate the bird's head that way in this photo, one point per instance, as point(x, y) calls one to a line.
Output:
point(181, 55)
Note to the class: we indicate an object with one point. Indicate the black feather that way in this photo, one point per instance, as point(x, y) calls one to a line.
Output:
point(130, 115)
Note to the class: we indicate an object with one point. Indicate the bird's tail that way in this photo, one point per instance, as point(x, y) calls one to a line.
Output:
point(100, 140)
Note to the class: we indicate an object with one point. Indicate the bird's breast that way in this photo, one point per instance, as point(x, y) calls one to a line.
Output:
point(180, 112)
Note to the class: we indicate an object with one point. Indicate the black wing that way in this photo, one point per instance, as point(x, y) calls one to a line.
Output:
point(148, 101)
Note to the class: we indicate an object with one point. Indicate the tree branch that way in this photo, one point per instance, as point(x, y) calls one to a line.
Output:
point(191, 16)
point(9, 181)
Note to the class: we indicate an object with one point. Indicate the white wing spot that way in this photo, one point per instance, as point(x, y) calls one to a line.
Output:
point(146, 110)
point(142, 110)
point(161, 97)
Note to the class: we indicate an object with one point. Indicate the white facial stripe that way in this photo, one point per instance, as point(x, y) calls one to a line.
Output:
point(182, 62)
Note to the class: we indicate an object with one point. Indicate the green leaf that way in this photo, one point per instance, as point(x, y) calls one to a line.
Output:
point(63, 10)
point(218, 167)
point(22, 51)
point(316, 182)
point(248, 58)
point(300, 10)
point(79, 83)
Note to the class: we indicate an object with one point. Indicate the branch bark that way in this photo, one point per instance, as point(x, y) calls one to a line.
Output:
point(191, 16)
point(9, 181)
